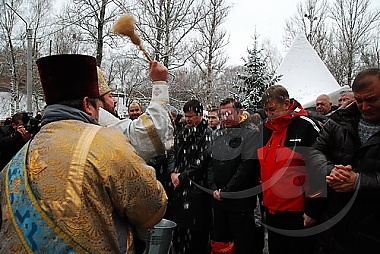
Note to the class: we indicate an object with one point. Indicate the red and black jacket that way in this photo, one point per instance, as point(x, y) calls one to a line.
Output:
point(286, 141)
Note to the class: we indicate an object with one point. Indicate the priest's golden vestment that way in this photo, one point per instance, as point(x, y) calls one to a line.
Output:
point(94, 197)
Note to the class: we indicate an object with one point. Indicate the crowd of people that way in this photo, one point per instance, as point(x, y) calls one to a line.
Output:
point(77, 178)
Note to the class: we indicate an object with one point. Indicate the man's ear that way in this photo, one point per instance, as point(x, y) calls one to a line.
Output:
point(287, 103)
point(101, 103)
point(87, 106)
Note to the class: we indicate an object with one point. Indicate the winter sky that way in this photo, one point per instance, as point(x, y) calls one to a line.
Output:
point(267, 17)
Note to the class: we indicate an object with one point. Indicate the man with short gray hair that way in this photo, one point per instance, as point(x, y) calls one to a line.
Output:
point(345, 98)
point(323, 104)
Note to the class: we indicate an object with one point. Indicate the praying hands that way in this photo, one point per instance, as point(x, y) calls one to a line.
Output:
point(342, 178)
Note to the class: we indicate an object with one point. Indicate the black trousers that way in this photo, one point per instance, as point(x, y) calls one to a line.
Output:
point(238, 227)
point(283, 243)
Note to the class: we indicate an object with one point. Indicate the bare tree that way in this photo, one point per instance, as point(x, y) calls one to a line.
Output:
point(228, 83)
point(354, 21)
point(8, 23)
point(70, 45)
point(333, 61)
point(129, 81)
point(90, 23)
point(209, 56)
point(20, 23)
point(271, 55)
point(370, 56)
point(186, 85)
point(166, 26)
point(40, 19)
point(310, 19)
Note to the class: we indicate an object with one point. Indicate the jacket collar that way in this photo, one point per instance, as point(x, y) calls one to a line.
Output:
point(281, 122)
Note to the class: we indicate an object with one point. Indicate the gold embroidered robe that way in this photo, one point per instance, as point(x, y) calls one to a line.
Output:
point(95, 205)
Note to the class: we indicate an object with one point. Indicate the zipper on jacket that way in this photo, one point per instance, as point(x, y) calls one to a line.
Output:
point(269, 147)
point(278, 149)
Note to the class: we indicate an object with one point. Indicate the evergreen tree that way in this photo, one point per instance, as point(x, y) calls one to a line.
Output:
point(255, 77)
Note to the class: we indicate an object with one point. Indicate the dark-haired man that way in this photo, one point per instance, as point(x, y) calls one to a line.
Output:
point(191, 206)
point(347, 153)
point(213, 118)
point(234, 168)
point(287, 134)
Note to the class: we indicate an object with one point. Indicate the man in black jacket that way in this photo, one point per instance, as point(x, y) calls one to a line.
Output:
point(190, 206)
point(234, 169)
point(347, 152)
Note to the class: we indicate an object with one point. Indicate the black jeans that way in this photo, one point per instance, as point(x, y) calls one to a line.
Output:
point(285, 244)
point(238, 227)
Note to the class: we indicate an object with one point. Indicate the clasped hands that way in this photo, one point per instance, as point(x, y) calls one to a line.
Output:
point(342, 178)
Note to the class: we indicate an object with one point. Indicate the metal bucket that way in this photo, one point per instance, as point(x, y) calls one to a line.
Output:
point(159, 238)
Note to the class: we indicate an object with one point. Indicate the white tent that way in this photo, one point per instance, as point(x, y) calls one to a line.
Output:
point(304, 74)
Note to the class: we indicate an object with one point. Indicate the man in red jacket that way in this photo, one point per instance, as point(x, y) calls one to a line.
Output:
point(287, 133)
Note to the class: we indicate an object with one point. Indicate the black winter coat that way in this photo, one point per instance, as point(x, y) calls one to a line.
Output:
point(235, 166)
point(190, 206)
point(339, 143)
